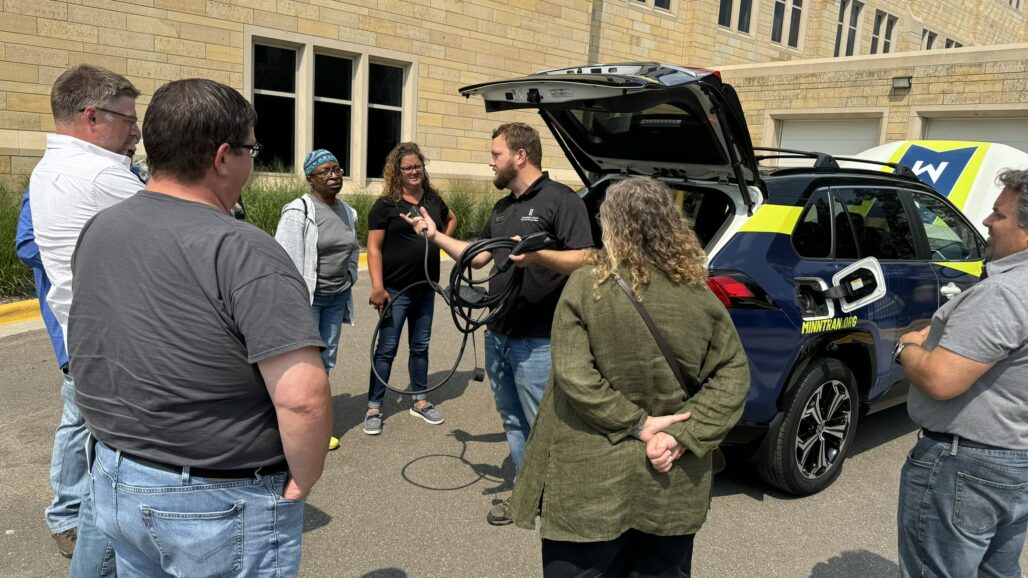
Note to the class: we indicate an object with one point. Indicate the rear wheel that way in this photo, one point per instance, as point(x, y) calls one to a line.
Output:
point(820, 418)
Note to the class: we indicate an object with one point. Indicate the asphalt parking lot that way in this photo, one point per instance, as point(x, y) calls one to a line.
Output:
point(412, 501)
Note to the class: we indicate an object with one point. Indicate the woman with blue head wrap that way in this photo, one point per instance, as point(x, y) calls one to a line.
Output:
point(319, 232)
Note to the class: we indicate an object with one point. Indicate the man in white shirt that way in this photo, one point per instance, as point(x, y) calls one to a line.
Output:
point(83, 170)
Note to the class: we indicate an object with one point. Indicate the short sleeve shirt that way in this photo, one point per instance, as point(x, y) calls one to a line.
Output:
point(987, 323)
point(175, 303)
point(337, 243)
point(403, 251)
point(546, 206)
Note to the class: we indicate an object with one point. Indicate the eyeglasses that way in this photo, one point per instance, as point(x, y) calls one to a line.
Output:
point(329, 171)
point(412, 168)
point(255, 148)
point(133, 120)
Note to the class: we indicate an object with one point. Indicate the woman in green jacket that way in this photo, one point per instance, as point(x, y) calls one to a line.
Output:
point(619, 462)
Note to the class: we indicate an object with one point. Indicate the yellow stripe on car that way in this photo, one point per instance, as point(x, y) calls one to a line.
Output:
point(969, 267)
point(772, 219)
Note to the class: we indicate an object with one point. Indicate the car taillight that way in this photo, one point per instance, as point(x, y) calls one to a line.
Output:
point(736, 290)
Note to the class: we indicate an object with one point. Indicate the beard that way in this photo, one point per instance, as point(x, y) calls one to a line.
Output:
point(504, 175)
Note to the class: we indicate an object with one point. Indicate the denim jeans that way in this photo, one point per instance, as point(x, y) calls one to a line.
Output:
point(962, 511)
point(173, 524)
point(328, 316)
point(94, 552)
point(416, 308)
point(68, 479)
point(518, 368)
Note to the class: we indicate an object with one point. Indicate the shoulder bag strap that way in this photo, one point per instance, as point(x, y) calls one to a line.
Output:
point(664, 348)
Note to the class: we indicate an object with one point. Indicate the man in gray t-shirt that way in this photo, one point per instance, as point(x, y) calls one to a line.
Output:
point(197, 357)
point(961, 511)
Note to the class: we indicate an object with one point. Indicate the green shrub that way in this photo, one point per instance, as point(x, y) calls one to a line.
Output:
point(264, 202)
point(15, 278)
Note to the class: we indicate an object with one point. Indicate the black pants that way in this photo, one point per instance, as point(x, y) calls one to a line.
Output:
point(634, 554)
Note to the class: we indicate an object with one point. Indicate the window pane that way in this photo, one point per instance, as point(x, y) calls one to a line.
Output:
point(274, 68)
point(385, 85)
point(794, 23)
point(665, 4)
point(724, 14)
point(840, 27)
point(812, 237)
point(333, 77)
point(851, 41)
point(332, 131)
point(949, 238)
point(383, 135)
point(777, 21)
point(276, 126)
point(879, 222)
point(745, 10)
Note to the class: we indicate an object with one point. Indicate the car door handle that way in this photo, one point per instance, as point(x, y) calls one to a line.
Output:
point(950, 290)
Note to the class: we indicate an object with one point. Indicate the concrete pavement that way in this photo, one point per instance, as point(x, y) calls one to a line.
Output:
point(412, 501)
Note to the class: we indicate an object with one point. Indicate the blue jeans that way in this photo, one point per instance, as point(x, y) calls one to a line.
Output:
point(962, 511)
point(518, 368)
point(174, 524)
point(415, 307)
point(68, 474)
point(328, 316)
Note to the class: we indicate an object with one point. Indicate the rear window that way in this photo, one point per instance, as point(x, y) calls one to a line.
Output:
point(663, 133)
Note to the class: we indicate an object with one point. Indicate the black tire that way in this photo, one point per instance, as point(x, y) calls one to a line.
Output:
point(821, 415)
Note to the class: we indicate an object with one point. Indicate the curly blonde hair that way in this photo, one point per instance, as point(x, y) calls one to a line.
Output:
point(645, 230)
point(392, 188)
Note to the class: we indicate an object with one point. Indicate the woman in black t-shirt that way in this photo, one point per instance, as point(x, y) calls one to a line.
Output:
point(396, 260)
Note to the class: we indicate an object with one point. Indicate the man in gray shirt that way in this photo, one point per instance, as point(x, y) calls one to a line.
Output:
point(962, 510)
point(196, 357)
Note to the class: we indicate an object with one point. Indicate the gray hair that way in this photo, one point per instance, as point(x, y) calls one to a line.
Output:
point(1017, 181)
point(86, 85)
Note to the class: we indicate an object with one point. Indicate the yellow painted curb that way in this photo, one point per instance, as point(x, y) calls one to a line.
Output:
point(19, 311)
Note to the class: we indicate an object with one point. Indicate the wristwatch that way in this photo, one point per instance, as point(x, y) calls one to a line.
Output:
point(899, 350)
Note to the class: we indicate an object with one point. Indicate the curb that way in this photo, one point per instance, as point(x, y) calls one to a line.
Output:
point(19, 311)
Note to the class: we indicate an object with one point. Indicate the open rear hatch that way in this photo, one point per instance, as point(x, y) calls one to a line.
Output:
point(637, 119)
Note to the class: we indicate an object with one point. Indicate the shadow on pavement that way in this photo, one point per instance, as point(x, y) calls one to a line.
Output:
point(459, 471)
point(855, 564)
point(385, 573)
point(741, 477)
point(314, 518)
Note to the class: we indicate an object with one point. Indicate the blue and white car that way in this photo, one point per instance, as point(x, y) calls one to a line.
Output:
point(822, 268)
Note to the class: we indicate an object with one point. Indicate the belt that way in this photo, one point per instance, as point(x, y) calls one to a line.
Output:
point(947, 438)
point(238, 474)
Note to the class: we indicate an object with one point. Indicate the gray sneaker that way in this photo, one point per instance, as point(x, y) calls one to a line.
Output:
point(499, 515)
point(373, 424)
point(427, 412)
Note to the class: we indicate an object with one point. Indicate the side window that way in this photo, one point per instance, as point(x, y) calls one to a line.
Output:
point(879, 223)
point(949, 237)
point(812, 236)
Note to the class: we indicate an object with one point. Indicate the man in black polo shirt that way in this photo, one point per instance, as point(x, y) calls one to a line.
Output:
point(196, 358)
point(517, 346)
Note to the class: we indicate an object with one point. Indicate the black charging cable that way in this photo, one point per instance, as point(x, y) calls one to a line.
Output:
point(471, 306)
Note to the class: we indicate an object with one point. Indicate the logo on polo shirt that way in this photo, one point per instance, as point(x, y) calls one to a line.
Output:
point(530, 216)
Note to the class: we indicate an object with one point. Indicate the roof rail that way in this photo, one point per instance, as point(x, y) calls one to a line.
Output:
point(827, 161)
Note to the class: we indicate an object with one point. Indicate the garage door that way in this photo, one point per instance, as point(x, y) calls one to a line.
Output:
point(836, 137)
point(1008, 131)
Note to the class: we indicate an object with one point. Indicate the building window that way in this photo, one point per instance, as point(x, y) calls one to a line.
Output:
point(738, 13)
point(333, 91)
point(786, 17)
point(662, 4)
point(1015, 4)
point(312, 96)
point(846, 30)
point(881, 36)
point(928, 39)
point(274, 98)
point(385, 113)
point(950, 43)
